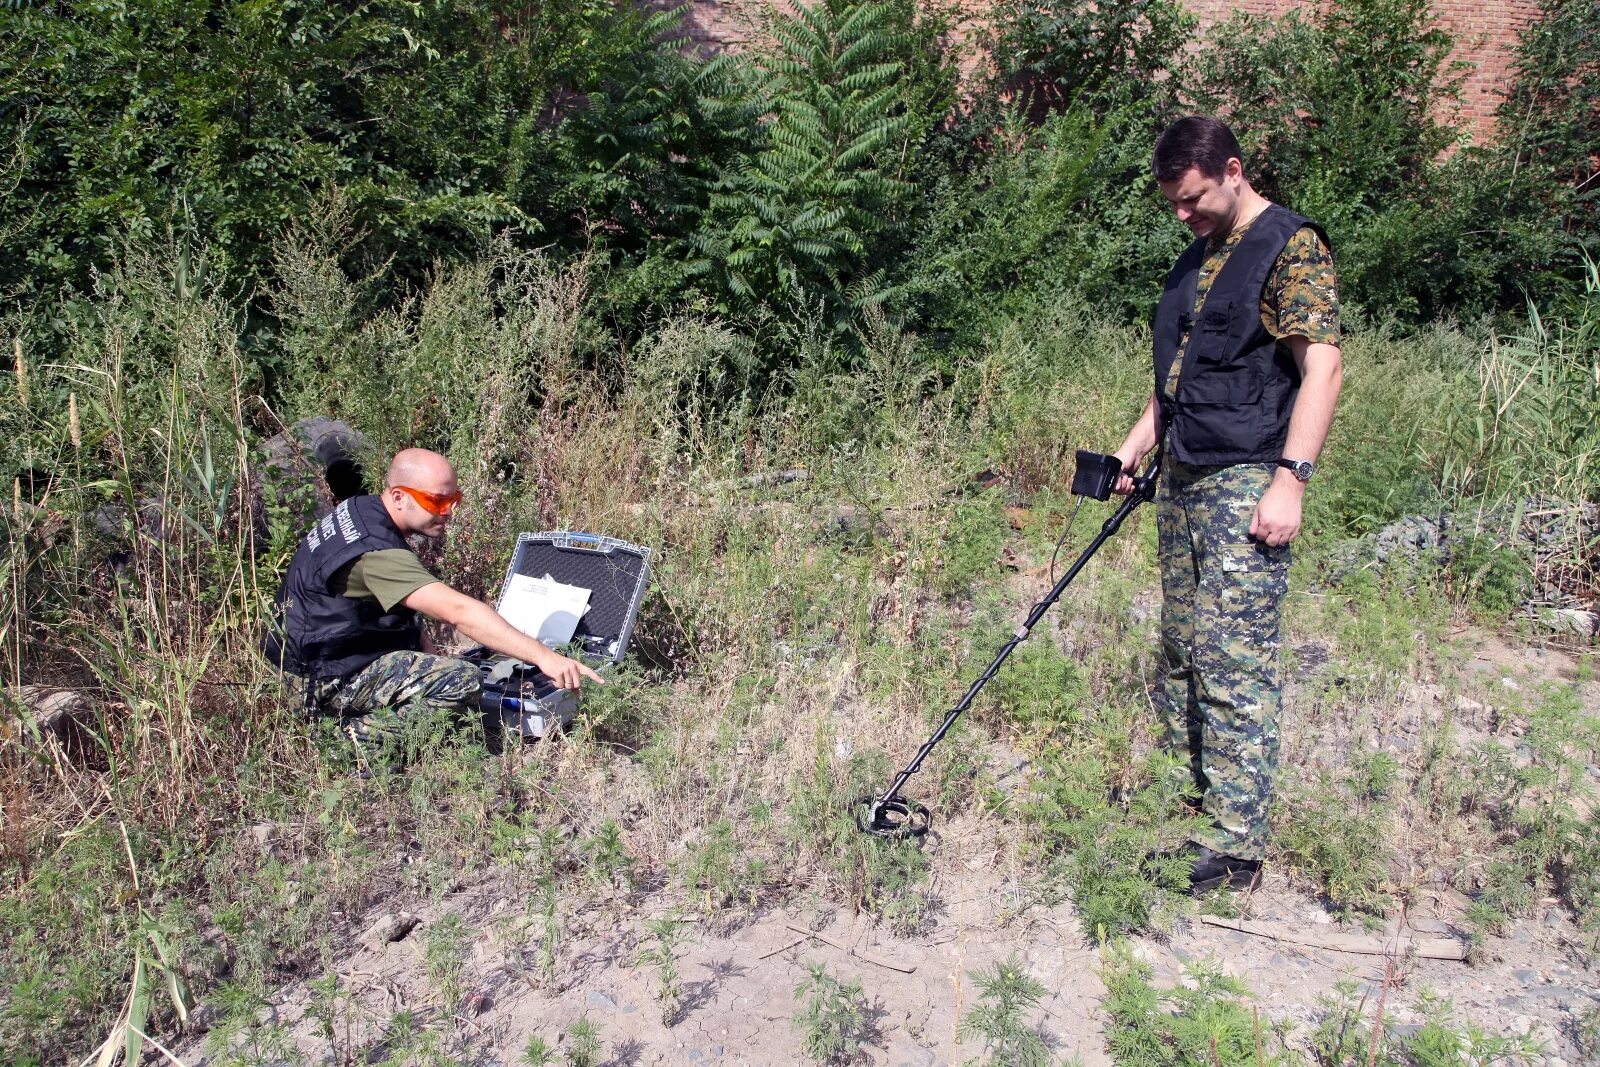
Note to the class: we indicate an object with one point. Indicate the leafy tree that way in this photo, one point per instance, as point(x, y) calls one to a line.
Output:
point(806, 220)
point(642, 153)
point(1343, 117)
point(1348, 118)
point(1340, 114)
point(1064, 206)
point(439, 122)
point(1064, 52)
point(1550, 120)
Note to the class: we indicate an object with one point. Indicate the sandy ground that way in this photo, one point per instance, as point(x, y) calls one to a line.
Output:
point(739, 974)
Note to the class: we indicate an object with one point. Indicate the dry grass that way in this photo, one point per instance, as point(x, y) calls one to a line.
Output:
point(801, 638)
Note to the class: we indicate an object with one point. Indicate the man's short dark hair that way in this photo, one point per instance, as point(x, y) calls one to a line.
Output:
point(1195, 141)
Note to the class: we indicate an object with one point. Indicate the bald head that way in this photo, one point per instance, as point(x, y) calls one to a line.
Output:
point(421, 469)
point(416, 470)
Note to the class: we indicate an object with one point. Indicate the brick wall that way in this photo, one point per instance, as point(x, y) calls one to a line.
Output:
point(1485, 33)
point(724, 23)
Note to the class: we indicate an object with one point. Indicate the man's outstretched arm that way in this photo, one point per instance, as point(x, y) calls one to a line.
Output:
point(1277, 517)
point(485, 625)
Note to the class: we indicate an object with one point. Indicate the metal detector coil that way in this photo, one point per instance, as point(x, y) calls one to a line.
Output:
point(891, 815)
point(894, 818)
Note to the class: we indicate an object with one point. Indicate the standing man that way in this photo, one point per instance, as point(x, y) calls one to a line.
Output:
point(1247, 372)
point(350, 604)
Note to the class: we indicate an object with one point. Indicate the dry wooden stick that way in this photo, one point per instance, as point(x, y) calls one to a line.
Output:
point(1377, 1019)
point(785, 947)
point(849, 951)
point(1428, 948)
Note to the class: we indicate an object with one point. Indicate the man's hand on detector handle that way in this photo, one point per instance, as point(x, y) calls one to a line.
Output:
point(1130, 467)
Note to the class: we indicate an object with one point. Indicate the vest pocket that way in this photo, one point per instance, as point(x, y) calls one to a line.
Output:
point(1220, 384)
point(1218, 411)
point(1216, 320)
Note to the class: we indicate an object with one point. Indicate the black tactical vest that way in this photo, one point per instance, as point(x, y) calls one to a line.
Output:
point(322, 634)
point(1238, 385)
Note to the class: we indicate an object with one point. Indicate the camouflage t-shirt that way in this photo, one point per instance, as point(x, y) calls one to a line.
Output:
point(1300, 298)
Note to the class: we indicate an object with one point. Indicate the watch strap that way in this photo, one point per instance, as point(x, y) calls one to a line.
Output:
point(1297, 466)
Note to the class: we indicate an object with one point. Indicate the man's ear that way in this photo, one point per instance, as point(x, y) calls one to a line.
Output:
point(1234, 168)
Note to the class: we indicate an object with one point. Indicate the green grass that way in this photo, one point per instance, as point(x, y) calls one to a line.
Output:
point(1209, 1020)
point(800, 641)
point(831, 1022)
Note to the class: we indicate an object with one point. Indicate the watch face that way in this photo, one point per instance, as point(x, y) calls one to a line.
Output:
point(1303, 470)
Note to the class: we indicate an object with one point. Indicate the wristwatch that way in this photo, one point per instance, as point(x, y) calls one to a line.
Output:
point(1302, 469)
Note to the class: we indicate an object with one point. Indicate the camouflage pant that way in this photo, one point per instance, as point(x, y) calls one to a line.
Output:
point(371, 704)
point(1218, 696)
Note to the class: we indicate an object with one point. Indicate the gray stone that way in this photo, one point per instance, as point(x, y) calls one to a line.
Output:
point(1525, 975)
point(1310, 658)
point(111, 520)
point(1406, 541)
point(763, 478)
point(1571, 621)
point(52, 711)
point(390, 927)
point(847, 523)
point(312, 454)
point(318, 439)
point(602, 1001)
point(202, 1019)
point(1561, 994)
point(904, 1052)
point(1145, 607)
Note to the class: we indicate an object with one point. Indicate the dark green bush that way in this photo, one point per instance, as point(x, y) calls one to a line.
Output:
point(1062, 53)
point(1067, 207)
point(1550, 120)
point(1351, 118)
point(805, 225)
point(791, 187)
point(440, 123)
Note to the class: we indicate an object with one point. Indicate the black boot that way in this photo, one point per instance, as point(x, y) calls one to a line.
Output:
point(1213, 869)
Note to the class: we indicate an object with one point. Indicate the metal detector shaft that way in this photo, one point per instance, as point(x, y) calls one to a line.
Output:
point(1143, 490)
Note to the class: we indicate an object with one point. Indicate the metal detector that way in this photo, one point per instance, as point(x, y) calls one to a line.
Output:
point(891, 815)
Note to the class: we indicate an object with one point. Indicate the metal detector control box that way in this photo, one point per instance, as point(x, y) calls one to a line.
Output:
point(616, 575)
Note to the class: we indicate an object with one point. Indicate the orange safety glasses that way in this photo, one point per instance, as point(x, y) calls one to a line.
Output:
point(440, 504)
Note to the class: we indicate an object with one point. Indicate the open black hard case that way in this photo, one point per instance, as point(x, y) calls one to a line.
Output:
point(616, 574)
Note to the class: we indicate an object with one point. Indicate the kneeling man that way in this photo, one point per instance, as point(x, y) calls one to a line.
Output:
point(350, 604)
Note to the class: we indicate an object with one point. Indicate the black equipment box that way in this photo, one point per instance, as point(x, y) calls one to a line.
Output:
point(616, 574)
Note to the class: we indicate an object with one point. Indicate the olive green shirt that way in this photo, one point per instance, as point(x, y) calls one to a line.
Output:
point(390, 574)
point(1300, 299)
